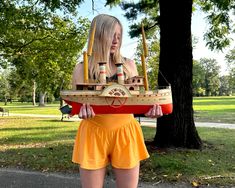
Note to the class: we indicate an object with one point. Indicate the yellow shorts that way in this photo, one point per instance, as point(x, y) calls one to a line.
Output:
point(109, 138)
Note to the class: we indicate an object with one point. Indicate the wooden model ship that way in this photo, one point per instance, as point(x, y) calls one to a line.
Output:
point(129, 96)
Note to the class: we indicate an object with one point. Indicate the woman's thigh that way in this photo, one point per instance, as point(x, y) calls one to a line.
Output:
point(92, 178)
point(127, 178)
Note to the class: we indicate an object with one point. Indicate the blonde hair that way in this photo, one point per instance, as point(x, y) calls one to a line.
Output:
point(105, 29)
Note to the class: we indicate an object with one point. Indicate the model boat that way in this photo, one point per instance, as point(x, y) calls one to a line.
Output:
point(113, 98)
point(130, 96)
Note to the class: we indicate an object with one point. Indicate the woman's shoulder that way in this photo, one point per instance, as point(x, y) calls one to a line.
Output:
point(131, 67)
point(78, 66)
point(78, 69)
point(128, 61)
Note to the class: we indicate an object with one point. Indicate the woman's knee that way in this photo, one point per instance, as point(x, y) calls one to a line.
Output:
point(92, 178)
point(127, 178)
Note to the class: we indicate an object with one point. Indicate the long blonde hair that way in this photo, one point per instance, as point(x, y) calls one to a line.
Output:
point(104, 33)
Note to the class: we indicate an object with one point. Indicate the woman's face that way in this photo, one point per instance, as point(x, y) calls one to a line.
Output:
point(116, 39)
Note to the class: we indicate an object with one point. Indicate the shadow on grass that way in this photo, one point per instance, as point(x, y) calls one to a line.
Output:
point(59, 120)
point(28, 128)
point(41, 136)
point(52, 158)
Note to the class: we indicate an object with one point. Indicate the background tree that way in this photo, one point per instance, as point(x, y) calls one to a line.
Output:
point(5, 86)
point(198, 79)
point(225, 88)
point(41, 45)
point(230, 59)
point(178, 129)
point(211, 77)
point(220, 21)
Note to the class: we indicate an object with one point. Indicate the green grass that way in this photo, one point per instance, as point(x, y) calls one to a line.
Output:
point(214, 109)
point(214, 164)
point(46, 144)
point(207, 109)
point(28, 108)
point(38, 144)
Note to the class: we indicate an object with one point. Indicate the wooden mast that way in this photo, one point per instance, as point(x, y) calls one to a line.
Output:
point(88, 53)
point(143, 56)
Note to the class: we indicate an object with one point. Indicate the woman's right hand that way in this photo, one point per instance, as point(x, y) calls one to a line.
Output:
point(86, 111)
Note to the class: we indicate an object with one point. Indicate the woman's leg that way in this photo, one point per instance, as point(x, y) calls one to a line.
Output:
point(92, 178)
point(127, 178)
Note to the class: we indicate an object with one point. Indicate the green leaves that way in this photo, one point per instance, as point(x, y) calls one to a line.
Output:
point(220, 22)
point(43, 46)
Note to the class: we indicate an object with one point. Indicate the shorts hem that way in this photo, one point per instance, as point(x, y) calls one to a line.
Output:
point(89, 167)
point(130, 166)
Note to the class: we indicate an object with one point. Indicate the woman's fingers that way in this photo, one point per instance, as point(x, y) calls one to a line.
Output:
point(86, 111)
point(155, 111)
point(83, 113)
point(148, 113)
point(92, 112)
point(160, 111)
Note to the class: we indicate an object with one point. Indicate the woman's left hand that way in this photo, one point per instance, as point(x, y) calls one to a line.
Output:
point(154, 112)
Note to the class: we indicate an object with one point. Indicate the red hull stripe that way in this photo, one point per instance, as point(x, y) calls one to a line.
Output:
point(125, 109)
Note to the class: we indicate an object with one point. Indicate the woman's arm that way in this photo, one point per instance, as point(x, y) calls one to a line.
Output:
point(86, 111)
point(131, 67)
point(77, 76)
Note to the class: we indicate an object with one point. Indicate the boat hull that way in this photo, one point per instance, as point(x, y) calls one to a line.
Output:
point(116, 99)
point(124, 109)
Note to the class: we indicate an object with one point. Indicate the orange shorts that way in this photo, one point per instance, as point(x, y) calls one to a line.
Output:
point(109, 138)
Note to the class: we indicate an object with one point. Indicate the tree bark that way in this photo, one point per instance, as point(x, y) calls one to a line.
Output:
point(5, 100)
point(42, 99)
point(177, 129)
point(34, 93)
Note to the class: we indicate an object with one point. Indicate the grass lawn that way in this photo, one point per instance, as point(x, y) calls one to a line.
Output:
point(214, 109)
point(207, 109)
point(46, 144)
point(28, 108)
point(214, 164)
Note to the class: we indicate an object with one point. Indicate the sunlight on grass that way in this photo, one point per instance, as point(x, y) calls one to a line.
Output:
point(214, 109)
point(216, 159)
point(38, 144)
point(27, 108)
point(46, 144)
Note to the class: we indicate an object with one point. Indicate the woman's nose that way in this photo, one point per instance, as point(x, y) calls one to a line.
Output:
point(115, 40)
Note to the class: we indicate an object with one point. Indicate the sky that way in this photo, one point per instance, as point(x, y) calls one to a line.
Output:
point(129, 45)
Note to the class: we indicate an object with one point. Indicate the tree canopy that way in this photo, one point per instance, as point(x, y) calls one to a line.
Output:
point(43, 46)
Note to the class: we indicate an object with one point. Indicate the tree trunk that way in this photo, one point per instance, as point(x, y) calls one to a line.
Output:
point(34, 93)
point(42, 99)
point(177, 129)
point(5, 100)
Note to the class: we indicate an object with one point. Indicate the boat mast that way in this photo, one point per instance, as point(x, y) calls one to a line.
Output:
point(89, 52)
point(143, 56)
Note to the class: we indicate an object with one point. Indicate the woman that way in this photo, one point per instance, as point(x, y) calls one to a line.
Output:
point(108, 138)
